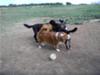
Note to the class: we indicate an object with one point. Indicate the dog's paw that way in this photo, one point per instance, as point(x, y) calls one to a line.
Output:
point(42, 44)
point(39, 47)
point(58, 50)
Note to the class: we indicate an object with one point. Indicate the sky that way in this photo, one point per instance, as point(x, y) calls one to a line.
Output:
point(7, 2)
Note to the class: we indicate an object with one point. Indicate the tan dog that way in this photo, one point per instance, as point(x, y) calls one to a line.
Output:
point(52, 38)
point(47, 26)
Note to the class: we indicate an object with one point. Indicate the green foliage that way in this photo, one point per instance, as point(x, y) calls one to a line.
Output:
point(34, 4)
point(68, 3)
point(75, 14)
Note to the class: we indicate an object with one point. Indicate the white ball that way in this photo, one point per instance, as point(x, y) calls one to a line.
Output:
point(52, 56)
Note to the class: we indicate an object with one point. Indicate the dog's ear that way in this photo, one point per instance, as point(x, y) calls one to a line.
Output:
point(52, 22)
point(62, 21)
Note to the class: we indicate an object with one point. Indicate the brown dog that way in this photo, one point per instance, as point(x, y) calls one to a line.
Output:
point(52, 38)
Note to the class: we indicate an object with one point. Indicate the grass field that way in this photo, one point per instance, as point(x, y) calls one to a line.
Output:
point(73, 14)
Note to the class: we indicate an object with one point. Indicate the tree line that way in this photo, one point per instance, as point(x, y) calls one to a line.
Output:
point(39, 4)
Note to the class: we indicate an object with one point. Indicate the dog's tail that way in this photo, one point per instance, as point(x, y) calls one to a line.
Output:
point(71, 31)
point(28, 26)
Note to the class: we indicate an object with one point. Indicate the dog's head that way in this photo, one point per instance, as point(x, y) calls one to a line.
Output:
point(58, 23)
point(46, 27)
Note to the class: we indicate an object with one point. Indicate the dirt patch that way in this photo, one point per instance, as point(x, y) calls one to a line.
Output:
point(19, 54)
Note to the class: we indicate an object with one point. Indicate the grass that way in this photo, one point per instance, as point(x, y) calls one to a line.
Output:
point(73, 14)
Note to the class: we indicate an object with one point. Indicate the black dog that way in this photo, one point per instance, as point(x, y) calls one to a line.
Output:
point(58, 26)
point(35, 27)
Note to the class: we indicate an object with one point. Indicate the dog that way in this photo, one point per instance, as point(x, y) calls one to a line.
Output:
point(57, 25)
point(54, 38)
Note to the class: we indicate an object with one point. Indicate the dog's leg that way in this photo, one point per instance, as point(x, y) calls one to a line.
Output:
point(43, 44)
point(68, 44)
point(57, 48)
point(39, 46)
point(35, 37)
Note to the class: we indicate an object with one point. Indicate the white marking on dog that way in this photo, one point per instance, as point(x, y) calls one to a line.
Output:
point(43, 44)
point(58, 50)
point(61, 34)
point(69, 37)
point(66, 28)
point(60, 43)
point(57, 34)
point(39, 47)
